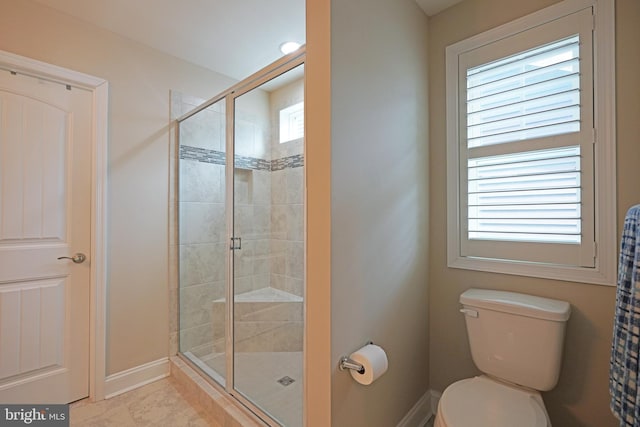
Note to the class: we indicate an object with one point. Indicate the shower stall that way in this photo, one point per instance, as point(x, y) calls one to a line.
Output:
point(241, 240)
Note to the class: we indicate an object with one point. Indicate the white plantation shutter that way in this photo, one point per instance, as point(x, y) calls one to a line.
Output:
point(533, 196)
point(525, 131)
point(529, 95)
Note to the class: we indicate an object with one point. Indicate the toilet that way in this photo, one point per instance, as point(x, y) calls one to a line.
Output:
point(516, 340)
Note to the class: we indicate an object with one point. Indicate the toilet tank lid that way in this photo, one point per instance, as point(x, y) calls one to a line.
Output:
point(516, 303)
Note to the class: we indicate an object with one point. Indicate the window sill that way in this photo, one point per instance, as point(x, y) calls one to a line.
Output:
point(595, 276)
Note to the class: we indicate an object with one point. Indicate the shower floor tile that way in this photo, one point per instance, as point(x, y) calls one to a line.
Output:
point(257, 375)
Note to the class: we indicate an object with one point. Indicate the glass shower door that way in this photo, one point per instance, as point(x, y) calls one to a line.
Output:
point(203, 243)
point(241, 240)
point(268, 241)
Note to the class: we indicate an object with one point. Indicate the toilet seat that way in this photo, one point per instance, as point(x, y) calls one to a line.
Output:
point(484, 402)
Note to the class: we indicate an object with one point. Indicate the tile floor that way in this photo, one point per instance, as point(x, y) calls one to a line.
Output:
point(157, 404)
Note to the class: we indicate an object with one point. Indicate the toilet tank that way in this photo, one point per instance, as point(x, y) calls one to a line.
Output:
point(516, 337)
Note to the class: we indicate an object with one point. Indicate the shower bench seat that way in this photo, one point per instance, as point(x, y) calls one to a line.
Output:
point(266, 319)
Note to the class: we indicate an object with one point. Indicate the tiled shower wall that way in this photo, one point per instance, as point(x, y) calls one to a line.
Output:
point(268, 210)
point(202, 238)
point(287, 193)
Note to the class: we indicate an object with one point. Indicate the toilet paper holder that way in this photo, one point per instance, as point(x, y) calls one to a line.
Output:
point(348, 363)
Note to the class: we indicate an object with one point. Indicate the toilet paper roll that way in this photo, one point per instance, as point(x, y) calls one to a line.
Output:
point(375, 363)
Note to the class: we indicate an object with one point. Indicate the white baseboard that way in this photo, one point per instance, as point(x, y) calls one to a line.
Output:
point(422, 411)
point(136, 377)
point(435, 399)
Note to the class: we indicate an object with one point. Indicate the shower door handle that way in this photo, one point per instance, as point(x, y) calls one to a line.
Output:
point(233, 246)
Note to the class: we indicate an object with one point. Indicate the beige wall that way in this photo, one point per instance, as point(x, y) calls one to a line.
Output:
point(379, 204)
point(140, 80)
point(581, 397)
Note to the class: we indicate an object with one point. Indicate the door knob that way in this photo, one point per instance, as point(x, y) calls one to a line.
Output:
point(77, 258)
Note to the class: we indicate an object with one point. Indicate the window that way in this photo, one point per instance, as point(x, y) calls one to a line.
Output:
point(529, 185)
point(292, 122)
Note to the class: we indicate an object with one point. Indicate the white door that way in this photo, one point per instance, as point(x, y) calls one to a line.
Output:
point(45, 202)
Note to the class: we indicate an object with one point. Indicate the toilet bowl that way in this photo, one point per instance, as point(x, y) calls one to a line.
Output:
point(485, 402)
point(516, 340)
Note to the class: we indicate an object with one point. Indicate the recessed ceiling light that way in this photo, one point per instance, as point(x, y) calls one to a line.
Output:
point(288, 47)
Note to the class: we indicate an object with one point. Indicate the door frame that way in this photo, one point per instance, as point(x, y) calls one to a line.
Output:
point(99, 133)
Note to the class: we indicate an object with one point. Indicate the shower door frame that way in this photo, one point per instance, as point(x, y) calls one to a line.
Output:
point(270, 72)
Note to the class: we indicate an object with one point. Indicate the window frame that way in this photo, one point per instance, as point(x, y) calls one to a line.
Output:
point(604, 196)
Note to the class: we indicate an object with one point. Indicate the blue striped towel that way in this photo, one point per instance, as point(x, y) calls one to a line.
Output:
point(624, 379)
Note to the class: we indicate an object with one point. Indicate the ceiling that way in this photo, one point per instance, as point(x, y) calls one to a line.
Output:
point(433, 7)
point(232, 37)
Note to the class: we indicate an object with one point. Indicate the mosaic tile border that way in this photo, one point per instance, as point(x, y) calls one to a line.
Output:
point(202, 155)
point(242, 162)
point(290, 162)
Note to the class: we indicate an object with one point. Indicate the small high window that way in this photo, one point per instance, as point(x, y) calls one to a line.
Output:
point(292, 122)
